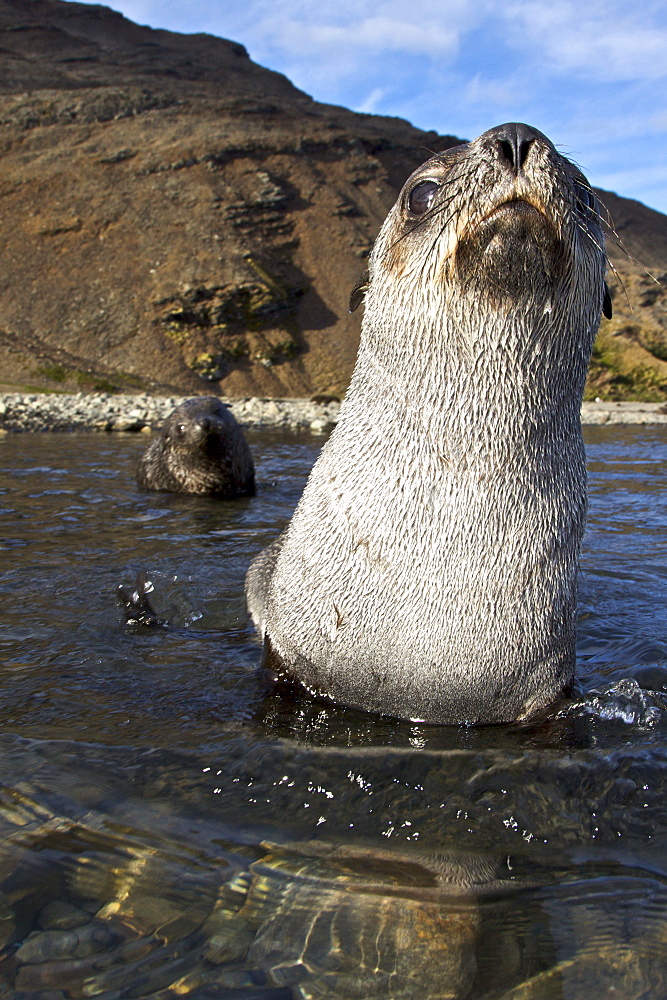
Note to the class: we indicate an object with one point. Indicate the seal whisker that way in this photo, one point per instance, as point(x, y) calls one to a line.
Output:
point(606, 221)
point(605, 218)
point(436, 240)
point(616, 240)
point(421, 222)
point(608, 260)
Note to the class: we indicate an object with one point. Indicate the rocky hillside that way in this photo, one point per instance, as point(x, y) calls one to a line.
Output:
point(174, 217)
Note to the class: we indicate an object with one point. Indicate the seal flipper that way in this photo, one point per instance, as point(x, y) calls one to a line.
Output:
point(138, 608)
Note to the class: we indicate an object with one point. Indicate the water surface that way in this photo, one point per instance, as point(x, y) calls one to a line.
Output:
point(173, 827)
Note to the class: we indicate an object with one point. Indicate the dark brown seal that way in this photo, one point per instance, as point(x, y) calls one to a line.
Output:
point(200, 449)
point(429, 570)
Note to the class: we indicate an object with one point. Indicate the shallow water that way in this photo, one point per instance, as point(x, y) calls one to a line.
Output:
point(171, 826)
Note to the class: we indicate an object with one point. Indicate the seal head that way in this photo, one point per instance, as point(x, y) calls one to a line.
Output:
point(429, 570)
point(200, 449)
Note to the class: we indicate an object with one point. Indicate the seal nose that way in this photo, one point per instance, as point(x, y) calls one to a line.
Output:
point(211, 425)
point(513, 141)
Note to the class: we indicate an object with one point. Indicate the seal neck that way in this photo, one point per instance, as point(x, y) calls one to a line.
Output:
point(508, 380)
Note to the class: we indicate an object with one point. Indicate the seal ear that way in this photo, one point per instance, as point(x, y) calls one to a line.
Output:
point(359, 290)
point(606, 302)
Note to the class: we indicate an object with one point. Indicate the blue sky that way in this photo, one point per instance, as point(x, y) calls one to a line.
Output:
point(591, 75)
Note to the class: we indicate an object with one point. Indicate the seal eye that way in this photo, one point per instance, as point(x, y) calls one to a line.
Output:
point(421, 197)
point(180, 430)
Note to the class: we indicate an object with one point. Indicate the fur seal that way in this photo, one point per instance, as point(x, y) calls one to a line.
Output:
point(429, 570)
point(200, 449)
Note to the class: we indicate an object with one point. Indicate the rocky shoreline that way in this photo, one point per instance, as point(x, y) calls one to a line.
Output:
point(109, 412)
point(116, 412)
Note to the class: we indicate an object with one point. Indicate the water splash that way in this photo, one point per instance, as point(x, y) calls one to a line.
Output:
point(621, 701)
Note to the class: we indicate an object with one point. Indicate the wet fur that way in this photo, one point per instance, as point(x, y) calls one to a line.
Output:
point(429, 570)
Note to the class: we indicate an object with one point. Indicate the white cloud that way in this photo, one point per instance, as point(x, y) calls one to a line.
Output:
point(493, 94)
point(371, 103)
point(374, 36)
point(614, 42)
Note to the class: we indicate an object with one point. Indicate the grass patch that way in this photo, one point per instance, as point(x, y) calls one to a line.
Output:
point(92, 383)
point(56, 373)
point(610, 377)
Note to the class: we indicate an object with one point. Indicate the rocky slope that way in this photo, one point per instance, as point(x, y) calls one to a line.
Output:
point(175, 218)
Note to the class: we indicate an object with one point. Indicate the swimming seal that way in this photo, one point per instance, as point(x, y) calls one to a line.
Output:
point(429, 570)
point(200, 449)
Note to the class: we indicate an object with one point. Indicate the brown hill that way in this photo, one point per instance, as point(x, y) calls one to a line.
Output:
point(175, 216)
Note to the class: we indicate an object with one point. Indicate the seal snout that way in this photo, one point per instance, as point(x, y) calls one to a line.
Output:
point(513, 143)
point(209, 425)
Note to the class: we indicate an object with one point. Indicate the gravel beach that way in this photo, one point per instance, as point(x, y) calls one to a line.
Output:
point(107, 412)
point(111, 412)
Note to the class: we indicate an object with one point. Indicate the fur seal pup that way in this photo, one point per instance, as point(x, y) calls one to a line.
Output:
point(200, 449)
point(429, 570)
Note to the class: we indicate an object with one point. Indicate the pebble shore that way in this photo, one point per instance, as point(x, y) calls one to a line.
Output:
point(107, 412)
point(111, 412)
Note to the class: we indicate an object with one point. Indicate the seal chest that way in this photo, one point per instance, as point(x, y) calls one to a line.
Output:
point(200, 449)
point(429, 570)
